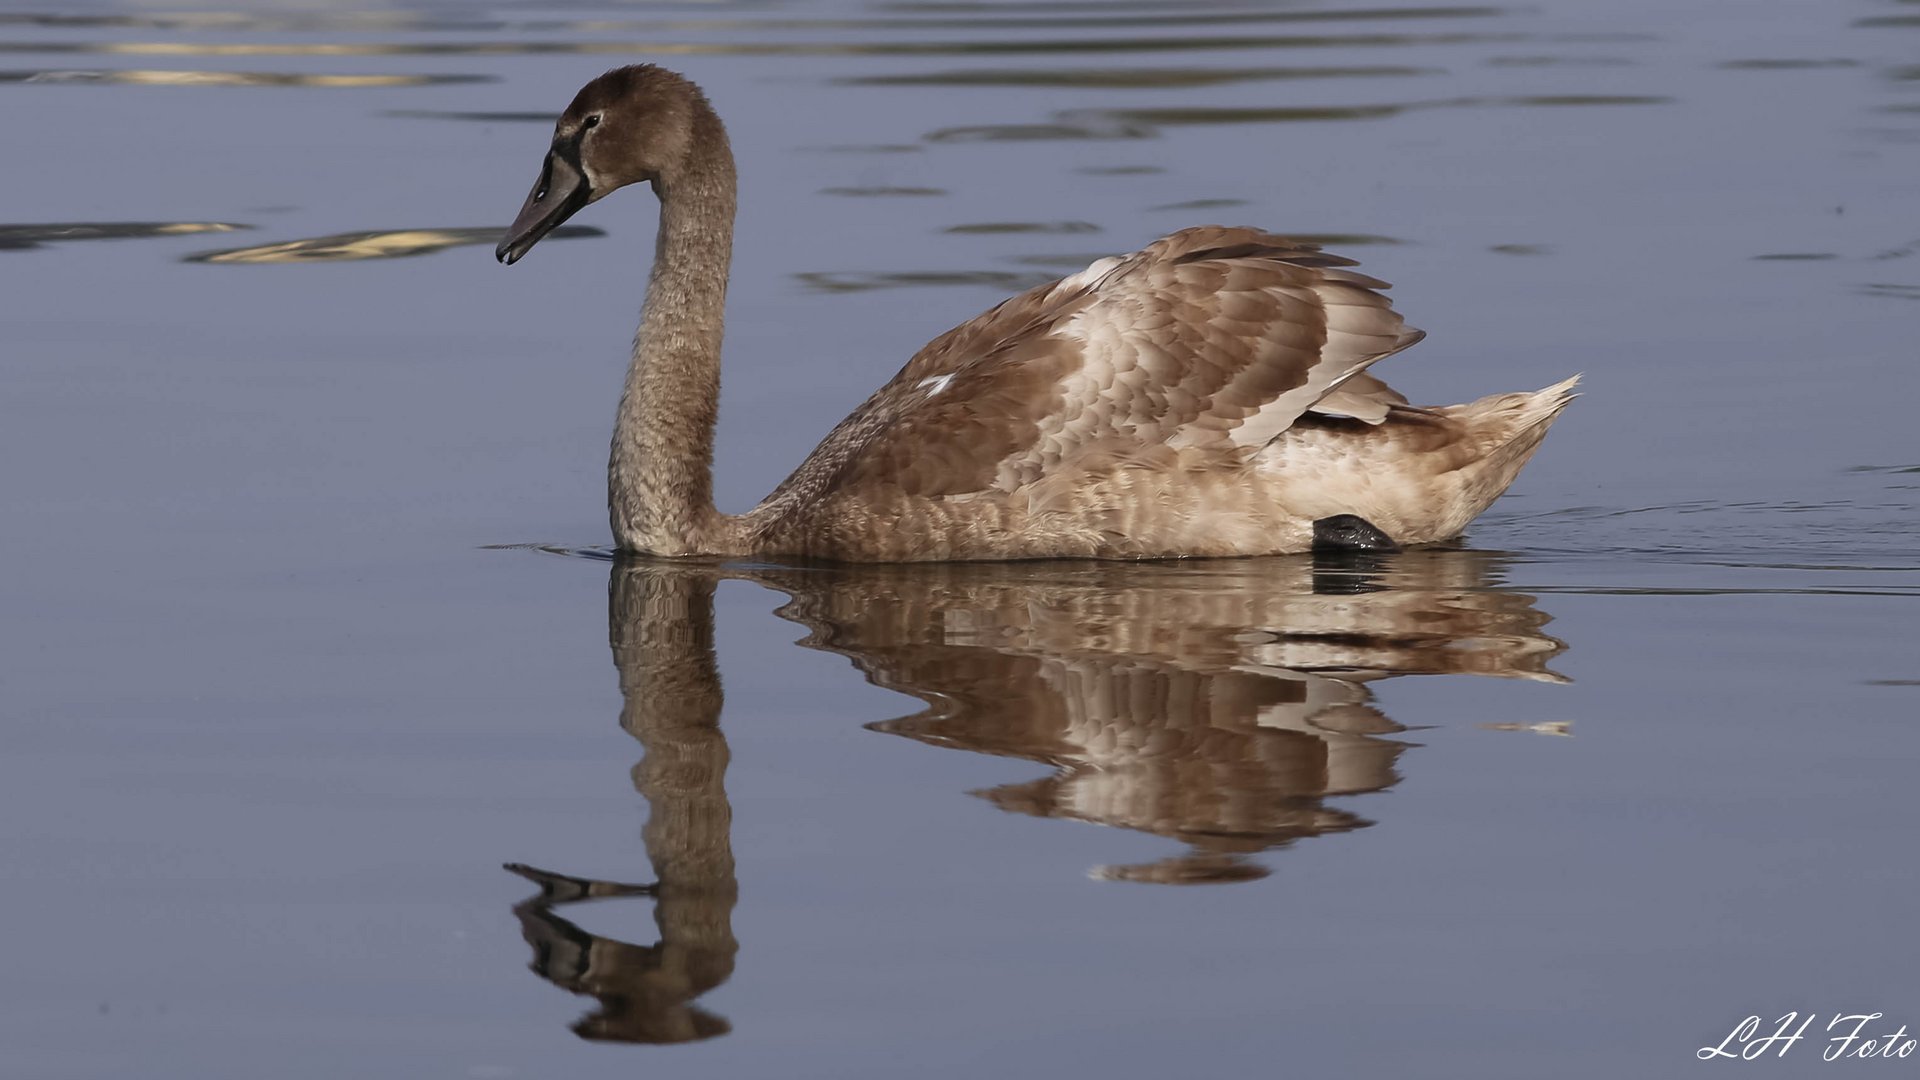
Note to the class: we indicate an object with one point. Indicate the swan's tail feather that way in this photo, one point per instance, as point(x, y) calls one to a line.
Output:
point(1511, 426)
point(1548, 403)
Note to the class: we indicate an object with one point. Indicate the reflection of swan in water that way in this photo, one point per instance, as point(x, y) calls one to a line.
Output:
point(660, 624)
point(1219, 704)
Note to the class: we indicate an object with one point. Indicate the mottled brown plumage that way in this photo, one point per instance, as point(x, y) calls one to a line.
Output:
point(1205, 395)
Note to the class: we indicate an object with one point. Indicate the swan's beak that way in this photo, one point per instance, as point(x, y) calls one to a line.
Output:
point(560, 192)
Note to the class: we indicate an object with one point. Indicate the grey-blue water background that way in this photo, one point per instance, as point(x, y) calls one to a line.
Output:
point(275, 715)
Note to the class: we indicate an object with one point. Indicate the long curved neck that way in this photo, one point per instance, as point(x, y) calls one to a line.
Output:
point(660, 474)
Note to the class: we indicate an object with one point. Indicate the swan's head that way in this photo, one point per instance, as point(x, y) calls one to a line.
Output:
point(631, 124)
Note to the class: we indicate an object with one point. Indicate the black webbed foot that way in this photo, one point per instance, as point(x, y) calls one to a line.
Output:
point(1350, 532)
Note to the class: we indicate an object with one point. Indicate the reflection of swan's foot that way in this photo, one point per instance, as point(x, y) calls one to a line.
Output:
point(564, 889)
point(1350, 532)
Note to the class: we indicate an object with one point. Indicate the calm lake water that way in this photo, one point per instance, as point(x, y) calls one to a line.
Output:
point(287, 679)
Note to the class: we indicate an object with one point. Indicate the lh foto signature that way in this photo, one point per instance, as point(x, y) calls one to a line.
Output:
point(1847, 1037)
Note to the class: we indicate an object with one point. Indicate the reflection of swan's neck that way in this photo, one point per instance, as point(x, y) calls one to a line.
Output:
point(662, 637)
point(661, 630)
point(660, 473)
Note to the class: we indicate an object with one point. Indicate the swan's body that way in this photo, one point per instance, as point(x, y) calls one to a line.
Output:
point(1205, 395)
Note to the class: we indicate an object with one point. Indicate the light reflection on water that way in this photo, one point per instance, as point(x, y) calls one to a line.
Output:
point(234, 78)
point(379, 244)
point(642, 49)
point(985, 17)
point(24, 237)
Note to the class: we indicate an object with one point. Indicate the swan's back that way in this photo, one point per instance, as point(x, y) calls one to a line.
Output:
point(1186, 357)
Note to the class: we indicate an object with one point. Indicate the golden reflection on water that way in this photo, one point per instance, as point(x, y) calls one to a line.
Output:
point(987, 17)
point(1220, 705)
point(235, 78)
point(26, 237)
point(234, 21)
point(348, 247)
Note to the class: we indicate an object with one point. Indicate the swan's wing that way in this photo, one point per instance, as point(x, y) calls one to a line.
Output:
point(1362, 397)
point(1213, 338)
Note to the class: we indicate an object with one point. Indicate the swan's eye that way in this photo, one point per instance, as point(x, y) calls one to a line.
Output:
point(590, 122)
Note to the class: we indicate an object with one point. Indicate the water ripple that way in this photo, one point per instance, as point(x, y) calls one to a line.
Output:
point(884, 191)
point(643, 48)
point(853, 281)
point(1127, 78)
point(1145, 123)
point(998, 227)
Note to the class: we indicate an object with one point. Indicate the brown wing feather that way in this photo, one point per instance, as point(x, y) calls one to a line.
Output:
point(1209, 338)
point(1362, 397)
